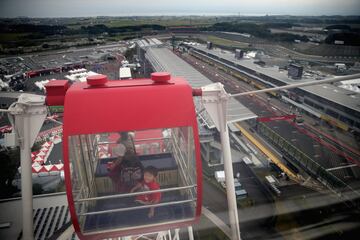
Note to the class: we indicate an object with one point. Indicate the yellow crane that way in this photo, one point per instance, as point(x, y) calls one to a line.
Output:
point(268, 153)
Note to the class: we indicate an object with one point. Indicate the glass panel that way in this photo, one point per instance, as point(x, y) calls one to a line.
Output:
point(111, 170)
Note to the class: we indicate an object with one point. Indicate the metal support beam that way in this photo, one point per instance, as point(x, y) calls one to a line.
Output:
point(215, 100)
point(341, 167)
point(302, 84)
point(228, 168)
point(27, 116)
point(26, 180)
point(217, 221)
point(191, 234)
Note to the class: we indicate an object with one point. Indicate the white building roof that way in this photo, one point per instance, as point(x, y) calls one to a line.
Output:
point(352, 85)
point(80, 77)
point(124, 72)
point(41, 84)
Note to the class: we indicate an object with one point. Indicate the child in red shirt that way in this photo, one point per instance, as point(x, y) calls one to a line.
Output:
point(148, 184)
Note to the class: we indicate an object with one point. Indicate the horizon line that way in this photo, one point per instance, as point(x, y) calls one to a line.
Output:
point(189, 15)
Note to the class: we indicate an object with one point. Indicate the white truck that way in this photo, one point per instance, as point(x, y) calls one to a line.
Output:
point(239, 191)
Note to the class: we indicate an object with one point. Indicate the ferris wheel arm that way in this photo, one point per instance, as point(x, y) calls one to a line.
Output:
point(296, 85)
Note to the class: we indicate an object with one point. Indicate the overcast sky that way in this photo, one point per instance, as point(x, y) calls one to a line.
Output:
point(79, 8)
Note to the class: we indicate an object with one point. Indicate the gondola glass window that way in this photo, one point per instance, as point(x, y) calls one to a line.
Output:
point(128, 179)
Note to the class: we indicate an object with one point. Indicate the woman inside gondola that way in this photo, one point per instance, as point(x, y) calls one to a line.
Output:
point(126, 170)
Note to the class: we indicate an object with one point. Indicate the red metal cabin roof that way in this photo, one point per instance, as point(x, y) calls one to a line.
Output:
point(120, 106)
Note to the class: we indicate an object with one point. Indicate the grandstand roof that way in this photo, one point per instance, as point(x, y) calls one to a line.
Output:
point(335, 94)
point(149, 42)
point(326, 91)
point(162, 59)
point(50, 215)
point(248, 63)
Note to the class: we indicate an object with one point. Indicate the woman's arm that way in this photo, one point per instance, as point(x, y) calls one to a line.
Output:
point(136, 187)
point(116, 163)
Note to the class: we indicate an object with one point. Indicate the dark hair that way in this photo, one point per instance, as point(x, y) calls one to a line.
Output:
point(131, 161)
point(152, 170)
point(124, 136)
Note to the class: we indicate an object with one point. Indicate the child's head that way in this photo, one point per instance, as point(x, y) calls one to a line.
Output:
point(150, 174)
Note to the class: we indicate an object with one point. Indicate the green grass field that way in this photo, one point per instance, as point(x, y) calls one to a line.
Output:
point(5, 37)
point(133, 21)
point(119, 37)
point(161, 21)
point(225, 42)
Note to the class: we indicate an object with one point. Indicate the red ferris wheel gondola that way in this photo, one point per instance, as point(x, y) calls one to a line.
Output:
point(116, 133)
